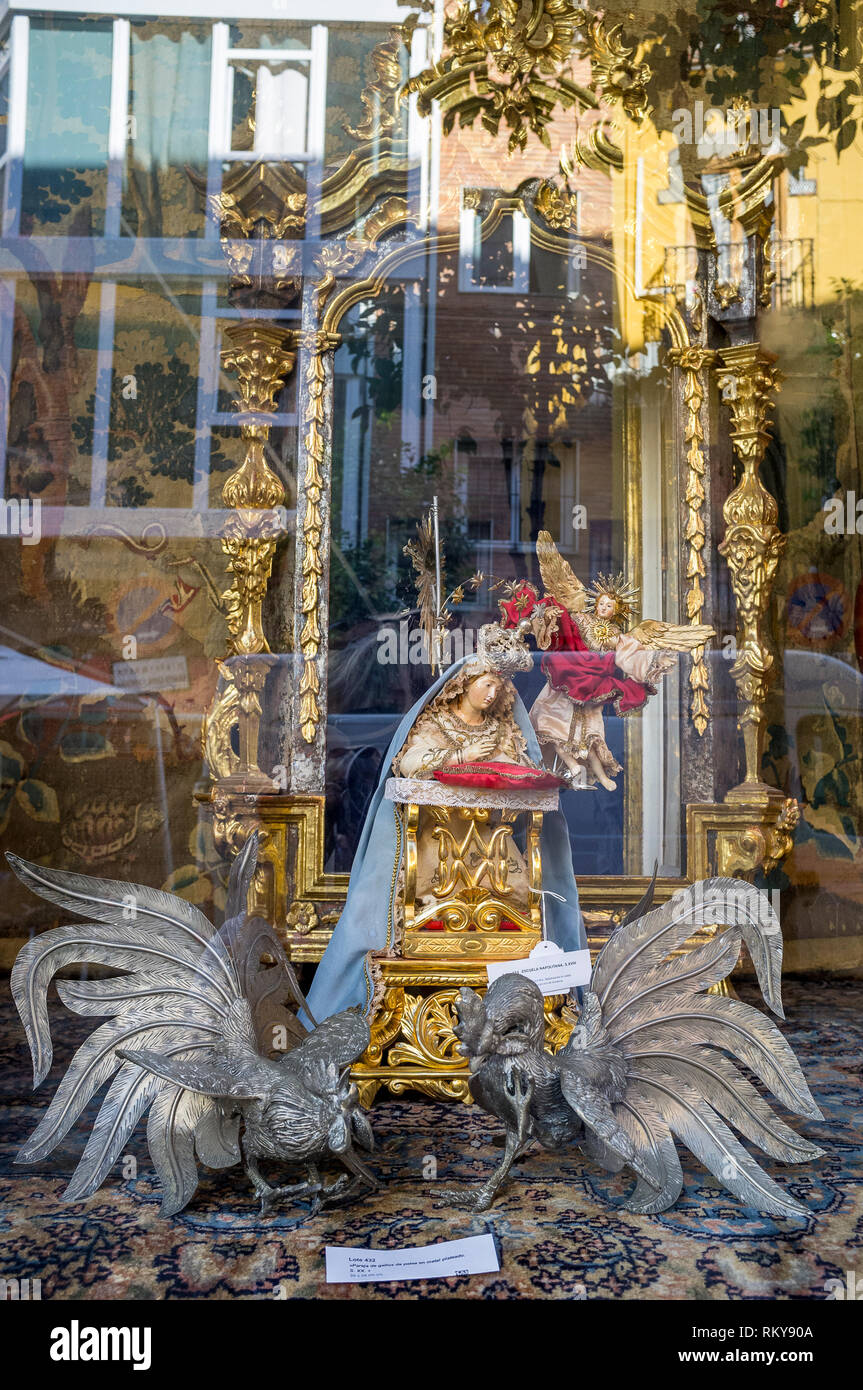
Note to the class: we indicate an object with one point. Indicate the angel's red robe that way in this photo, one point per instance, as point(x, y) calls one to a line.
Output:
point(587, 677)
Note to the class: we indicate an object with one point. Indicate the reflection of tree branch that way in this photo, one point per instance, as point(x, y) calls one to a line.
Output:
point(174, 724)
point(725, 50)
point(213, 592)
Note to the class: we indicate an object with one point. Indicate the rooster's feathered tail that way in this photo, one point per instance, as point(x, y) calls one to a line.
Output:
point(184, 991)
point(651, 1009)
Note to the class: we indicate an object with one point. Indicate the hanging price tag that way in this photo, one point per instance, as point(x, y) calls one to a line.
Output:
point(554, 970)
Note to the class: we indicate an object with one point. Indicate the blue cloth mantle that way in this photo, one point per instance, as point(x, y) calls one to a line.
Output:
point(342, 979)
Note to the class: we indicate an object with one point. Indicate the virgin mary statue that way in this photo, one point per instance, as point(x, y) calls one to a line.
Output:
point(472, 716)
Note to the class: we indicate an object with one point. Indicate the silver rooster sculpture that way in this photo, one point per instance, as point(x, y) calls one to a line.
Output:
point(191, 1019)
point(646, 1062)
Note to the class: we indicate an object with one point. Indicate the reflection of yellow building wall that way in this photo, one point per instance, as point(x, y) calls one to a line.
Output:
point(833, 215)
point(643, 227)
point(647, 220)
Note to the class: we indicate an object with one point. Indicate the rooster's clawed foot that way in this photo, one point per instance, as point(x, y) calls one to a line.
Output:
point(466, 1201)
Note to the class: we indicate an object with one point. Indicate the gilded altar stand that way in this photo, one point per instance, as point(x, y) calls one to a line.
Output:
point(466, 894)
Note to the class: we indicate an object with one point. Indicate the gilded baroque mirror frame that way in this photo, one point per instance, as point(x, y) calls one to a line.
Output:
point(326, 248)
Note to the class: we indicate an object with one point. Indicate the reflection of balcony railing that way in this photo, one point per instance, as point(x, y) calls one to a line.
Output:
point(791, 260)
point(679, 267)
point(794, 264)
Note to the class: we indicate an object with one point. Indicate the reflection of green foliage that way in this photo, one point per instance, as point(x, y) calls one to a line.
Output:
point(84, 745)
point(817, 453)
point(825, 773)
point(365, 585)
point(362, 584)
point(374, 346)
point(36, 798)
point(128, 492)
point(780, 742)
point(153, 432)
point(776, 760)
point(53, 192)
point(722, 50)
point(835, 783)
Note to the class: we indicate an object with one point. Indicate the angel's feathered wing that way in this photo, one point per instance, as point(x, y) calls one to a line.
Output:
point(558, 578)
point(653, 1015)
point(188, 996)
point(671, 636)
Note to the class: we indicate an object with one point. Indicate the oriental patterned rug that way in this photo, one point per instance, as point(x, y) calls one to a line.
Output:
point(557, 1225)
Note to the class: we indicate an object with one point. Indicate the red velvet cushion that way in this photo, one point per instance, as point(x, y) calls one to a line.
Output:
point(498, 775)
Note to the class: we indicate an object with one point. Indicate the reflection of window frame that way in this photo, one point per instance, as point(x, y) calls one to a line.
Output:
point(18, 65)
point(6, 76)
point(470, 241)
point(222, 94)
point(800, 185)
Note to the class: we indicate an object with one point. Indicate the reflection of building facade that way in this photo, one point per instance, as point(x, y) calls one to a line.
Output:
point(411, 309)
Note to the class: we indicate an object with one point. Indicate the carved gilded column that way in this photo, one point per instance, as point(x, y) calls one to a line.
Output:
point(262, 355)
point(693, 363)
point(752, 546)
point(311, 573)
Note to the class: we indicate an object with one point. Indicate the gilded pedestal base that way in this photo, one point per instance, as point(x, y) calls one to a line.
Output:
point(413, 1046)
point(734, 839)
point(446, 939)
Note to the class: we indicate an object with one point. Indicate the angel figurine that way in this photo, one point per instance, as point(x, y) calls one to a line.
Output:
point(595, 662)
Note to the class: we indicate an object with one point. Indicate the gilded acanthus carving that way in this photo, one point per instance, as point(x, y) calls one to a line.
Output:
point(508, 64)
point(333, 259)
point(755, 846)
point(221, 717)
point(302, 918)
point(316, 345)
point(781, 837)
point(262, 355)
point(234, 819)
point(380, 96)
point(621, 80)
point(693, 363)
point(752, 546)
point(261, 206)
point(557, 206)
point(505, 64)
point(237, 705)
point(727, 292)
point(427, 1026)
point(735, 839)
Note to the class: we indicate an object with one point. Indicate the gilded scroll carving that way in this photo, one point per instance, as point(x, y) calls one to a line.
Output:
point(316, 345)
point(693, 362)
point(752, 546)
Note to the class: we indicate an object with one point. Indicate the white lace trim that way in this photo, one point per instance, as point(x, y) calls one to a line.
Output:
point(429, 792)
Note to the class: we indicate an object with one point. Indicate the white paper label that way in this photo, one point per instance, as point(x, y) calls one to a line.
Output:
point(554, 970)
point(349, 1265)
point(152, 673)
